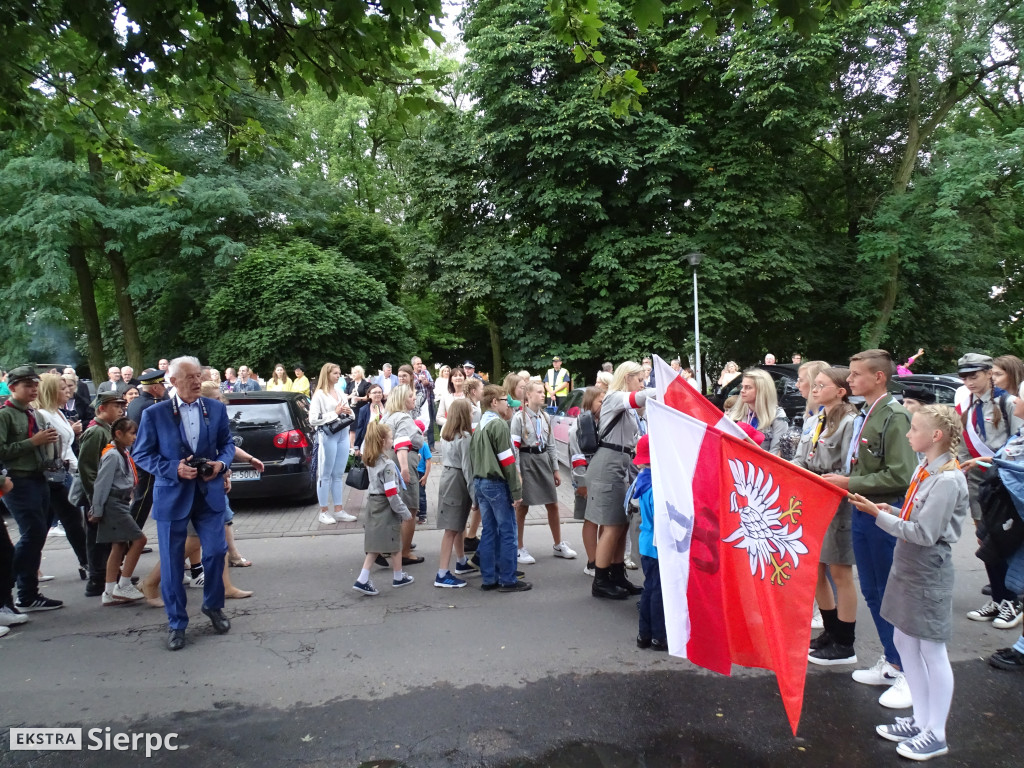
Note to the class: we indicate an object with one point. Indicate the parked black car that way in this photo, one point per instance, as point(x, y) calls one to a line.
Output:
point(273, 427)
point(943, 385)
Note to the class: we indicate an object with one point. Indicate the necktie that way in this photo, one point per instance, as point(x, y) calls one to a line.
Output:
point(978, 418)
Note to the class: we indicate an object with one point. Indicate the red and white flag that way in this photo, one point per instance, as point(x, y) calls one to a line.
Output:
point(674, 391)
point(738, 533)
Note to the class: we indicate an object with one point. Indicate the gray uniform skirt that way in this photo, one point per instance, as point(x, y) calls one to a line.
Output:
point(919, 593)
point(579, 508)
point(383, 529)
point(837, 545)
point(538, 479)
point(453, 500)
point(411, 494)
point(117, 523)
point(608, 477)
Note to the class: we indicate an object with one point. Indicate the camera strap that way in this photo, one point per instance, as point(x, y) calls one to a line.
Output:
point(177, 416)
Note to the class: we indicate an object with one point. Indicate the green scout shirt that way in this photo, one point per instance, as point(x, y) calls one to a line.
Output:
point(490, 441)
point(885, 462)
point(16, 450)
point(94, 440)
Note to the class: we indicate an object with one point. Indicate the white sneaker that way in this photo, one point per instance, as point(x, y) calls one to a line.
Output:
point(630, 565)
point(128, 594)
point(4, 630)
point(57, 530)
point(524, 557)
point(326, 518)
point(588, 569)
point(42, 578)
point(816, 621)
point(9, 617)
point(898, 695)
point(345, 517)
point(199, 581)
point(883, 673)
point(564, 550)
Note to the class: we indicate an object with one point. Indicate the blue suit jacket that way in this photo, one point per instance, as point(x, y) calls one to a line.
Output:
point(162, 444)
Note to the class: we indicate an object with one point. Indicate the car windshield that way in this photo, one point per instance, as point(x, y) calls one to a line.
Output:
point(258, 415)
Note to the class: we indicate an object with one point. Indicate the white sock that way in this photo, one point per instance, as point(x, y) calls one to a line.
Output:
point(441, 574)
point(462, 560)
point(364, 576)
point(124, 582)
point(110, 587)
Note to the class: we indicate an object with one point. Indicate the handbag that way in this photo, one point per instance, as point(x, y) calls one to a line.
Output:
point(340, 423)
point(359, 476)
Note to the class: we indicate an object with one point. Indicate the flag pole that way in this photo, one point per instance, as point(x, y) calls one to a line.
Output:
point(695, 258)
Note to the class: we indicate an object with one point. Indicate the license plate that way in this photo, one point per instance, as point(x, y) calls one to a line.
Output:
point(244, 474)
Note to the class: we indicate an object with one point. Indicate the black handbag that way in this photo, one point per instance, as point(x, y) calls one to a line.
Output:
point(340, 423)
point(359, 476)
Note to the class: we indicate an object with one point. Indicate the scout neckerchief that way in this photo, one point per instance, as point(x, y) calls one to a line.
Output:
point(131, 464)
point(920, 476)
point(856, 440)
point(816, 434)
point(33, 427)
point(538, 425)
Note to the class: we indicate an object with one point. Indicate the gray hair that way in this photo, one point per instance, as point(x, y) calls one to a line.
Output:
point(174, 368)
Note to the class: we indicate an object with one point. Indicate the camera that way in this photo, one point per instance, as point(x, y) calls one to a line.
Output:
point(203, 466)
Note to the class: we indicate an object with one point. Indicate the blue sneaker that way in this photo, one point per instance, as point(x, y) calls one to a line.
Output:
point(448, 581)
point(464, 569)
point(404, 581)
point(366, 587)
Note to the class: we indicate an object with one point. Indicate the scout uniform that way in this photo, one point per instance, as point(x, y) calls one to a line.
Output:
point(578, 462)
point(111, 498)
point(535, 452)
point(455, 494)
point(990, 423)
point(611, 470)
point(142, 502)
point(406, 435)
point(385, 508)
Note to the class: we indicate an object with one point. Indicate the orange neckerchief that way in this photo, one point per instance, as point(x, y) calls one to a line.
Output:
point(131, 464)
point(920, 476)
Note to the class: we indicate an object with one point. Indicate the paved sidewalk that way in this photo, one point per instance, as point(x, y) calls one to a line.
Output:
point(257, 519)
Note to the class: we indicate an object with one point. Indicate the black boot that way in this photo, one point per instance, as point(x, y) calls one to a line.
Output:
point(603, 586)
point(618, 577)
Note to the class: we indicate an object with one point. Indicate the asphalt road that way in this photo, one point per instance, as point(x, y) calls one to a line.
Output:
point(314, 674)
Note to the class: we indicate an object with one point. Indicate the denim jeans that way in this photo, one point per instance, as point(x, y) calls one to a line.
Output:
point(423, 503)
point(872, 549)
point(29, 505)
point(1015, 573)
point(497, 548)
point(652, 608)
point(333, 460)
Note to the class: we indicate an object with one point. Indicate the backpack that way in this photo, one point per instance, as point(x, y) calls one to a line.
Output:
point(1001, 527)
point(586, 433)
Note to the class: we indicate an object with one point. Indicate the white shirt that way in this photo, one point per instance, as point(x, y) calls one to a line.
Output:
point(191, 414)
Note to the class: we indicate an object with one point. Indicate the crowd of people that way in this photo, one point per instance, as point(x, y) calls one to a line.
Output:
point(913, 470)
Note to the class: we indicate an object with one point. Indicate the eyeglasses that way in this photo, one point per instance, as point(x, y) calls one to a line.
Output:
point(822, 386)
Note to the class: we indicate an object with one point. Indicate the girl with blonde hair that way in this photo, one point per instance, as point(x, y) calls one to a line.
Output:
point(758, 406)
point(386, 510)
point(609, 475)
point(327, 406)
point(407, 439)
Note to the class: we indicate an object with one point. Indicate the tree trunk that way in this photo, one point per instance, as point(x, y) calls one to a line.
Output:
point(86, 292)
point(119, 273)
point(497, 365)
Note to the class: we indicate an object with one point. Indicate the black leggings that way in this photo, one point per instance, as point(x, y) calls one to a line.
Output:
point(71, 518)
point(997, 579)
point(6, 564)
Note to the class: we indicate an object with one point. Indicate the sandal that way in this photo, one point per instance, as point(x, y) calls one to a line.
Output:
point(239, 562)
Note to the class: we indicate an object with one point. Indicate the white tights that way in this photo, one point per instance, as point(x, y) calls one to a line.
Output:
point(930, 678)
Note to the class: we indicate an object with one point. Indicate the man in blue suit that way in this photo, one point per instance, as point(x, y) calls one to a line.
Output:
point(172, 432)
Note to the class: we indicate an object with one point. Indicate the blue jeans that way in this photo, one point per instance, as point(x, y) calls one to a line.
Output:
point(423, 503)
point(652, 608)
point(29, 505)
point(872, 549)
point(209, 524)
point(497, 548)
point(333, 459)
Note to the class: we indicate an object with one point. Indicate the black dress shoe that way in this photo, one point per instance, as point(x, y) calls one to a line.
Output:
point(381, 561)
point(518, 586)
point(94, 588)
point(146, 550)
point(643, 642)
point(412, 561)
point(176, 640)
point(1007, 658)
point(659, 645)
point(489, 587)
point(220, 622)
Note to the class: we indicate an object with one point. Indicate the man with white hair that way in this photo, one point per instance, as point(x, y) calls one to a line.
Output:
point(128, 377)
point(186, 445)
point(113, 382)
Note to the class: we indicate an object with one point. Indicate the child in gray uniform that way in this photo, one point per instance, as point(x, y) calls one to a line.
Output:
point(111, 499)
point(918, 598)
point(385, 511)
point(455, 493)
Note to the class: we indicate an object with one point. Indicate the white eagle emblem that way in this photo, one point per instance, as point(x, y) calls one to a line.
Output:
point(762, 530)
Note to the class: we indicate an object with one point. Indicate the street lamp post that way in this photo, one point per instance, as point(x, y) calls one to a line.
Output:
point(695, 258)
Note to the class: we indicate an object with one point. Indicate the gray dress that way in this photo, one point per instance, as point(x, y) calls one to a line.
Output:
point(829, 456)
point(536, 469)
point(111, 498)
point(455, 494)
point(405, 434)
point(611, 470)
point(919, 593)
point(382, 532)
